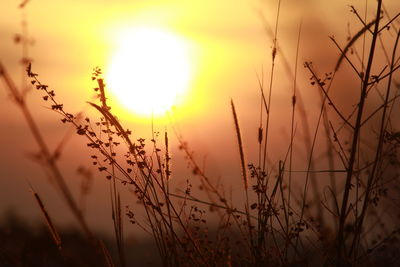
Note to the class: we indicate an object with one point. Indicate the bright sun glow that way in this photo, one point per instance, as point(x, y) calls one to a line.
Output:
point(150, 70)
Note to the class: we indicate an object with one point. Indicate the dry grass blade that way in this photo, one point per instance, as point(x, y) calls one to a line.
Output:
point(240, 143)
point(351, 42)
point(23, 3)
point(108, 259)
point(244, 173)
point(49, 223)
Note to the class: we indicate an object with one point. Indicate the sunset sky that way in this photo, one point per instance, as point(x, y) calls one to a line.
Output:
point(225, 48)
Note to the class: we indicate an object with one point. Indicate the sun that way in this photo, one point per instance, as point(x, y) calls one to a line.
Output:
point(149, 71)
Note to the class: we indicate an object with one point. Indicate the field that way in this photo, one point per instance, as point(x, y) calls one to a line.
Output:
point(305, 174)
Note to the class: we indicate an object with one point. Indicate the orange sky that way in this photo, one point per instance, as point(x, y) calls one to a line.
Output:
point(230, 49)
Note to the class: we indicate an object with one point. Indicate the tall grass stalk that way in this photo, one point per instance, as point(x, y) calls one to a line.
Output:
point(353, 152)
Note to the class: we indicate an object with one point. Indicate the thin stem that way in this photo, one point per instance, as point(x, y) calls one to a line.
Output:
point(353, 152)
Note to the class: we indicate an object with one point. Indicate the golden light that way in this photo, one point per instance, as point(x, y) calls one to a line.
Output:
point(150, 70)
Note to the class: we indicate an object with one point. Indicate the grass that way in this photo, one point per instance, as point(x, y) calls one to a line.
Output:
point(344, 215)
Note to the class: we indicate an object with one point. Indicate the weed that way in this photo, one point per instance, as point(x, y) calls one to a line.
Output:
point(339, 221)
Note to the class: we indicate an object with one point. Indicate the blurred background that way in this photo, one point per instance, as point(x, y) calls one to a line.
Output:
point(230, 44)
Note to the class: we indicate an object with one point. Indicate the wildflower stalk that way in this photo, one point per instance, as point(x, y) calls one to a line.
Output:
point(341, 252)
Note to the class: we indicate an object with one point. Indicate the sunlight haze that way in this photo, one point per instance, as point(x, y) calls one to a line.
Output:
point(150, 71)
point(227, 83)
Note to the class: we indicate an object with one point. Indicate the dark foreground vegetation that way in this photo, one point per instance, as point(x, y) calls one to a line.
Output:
point(24, 244)
point(341, 212)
